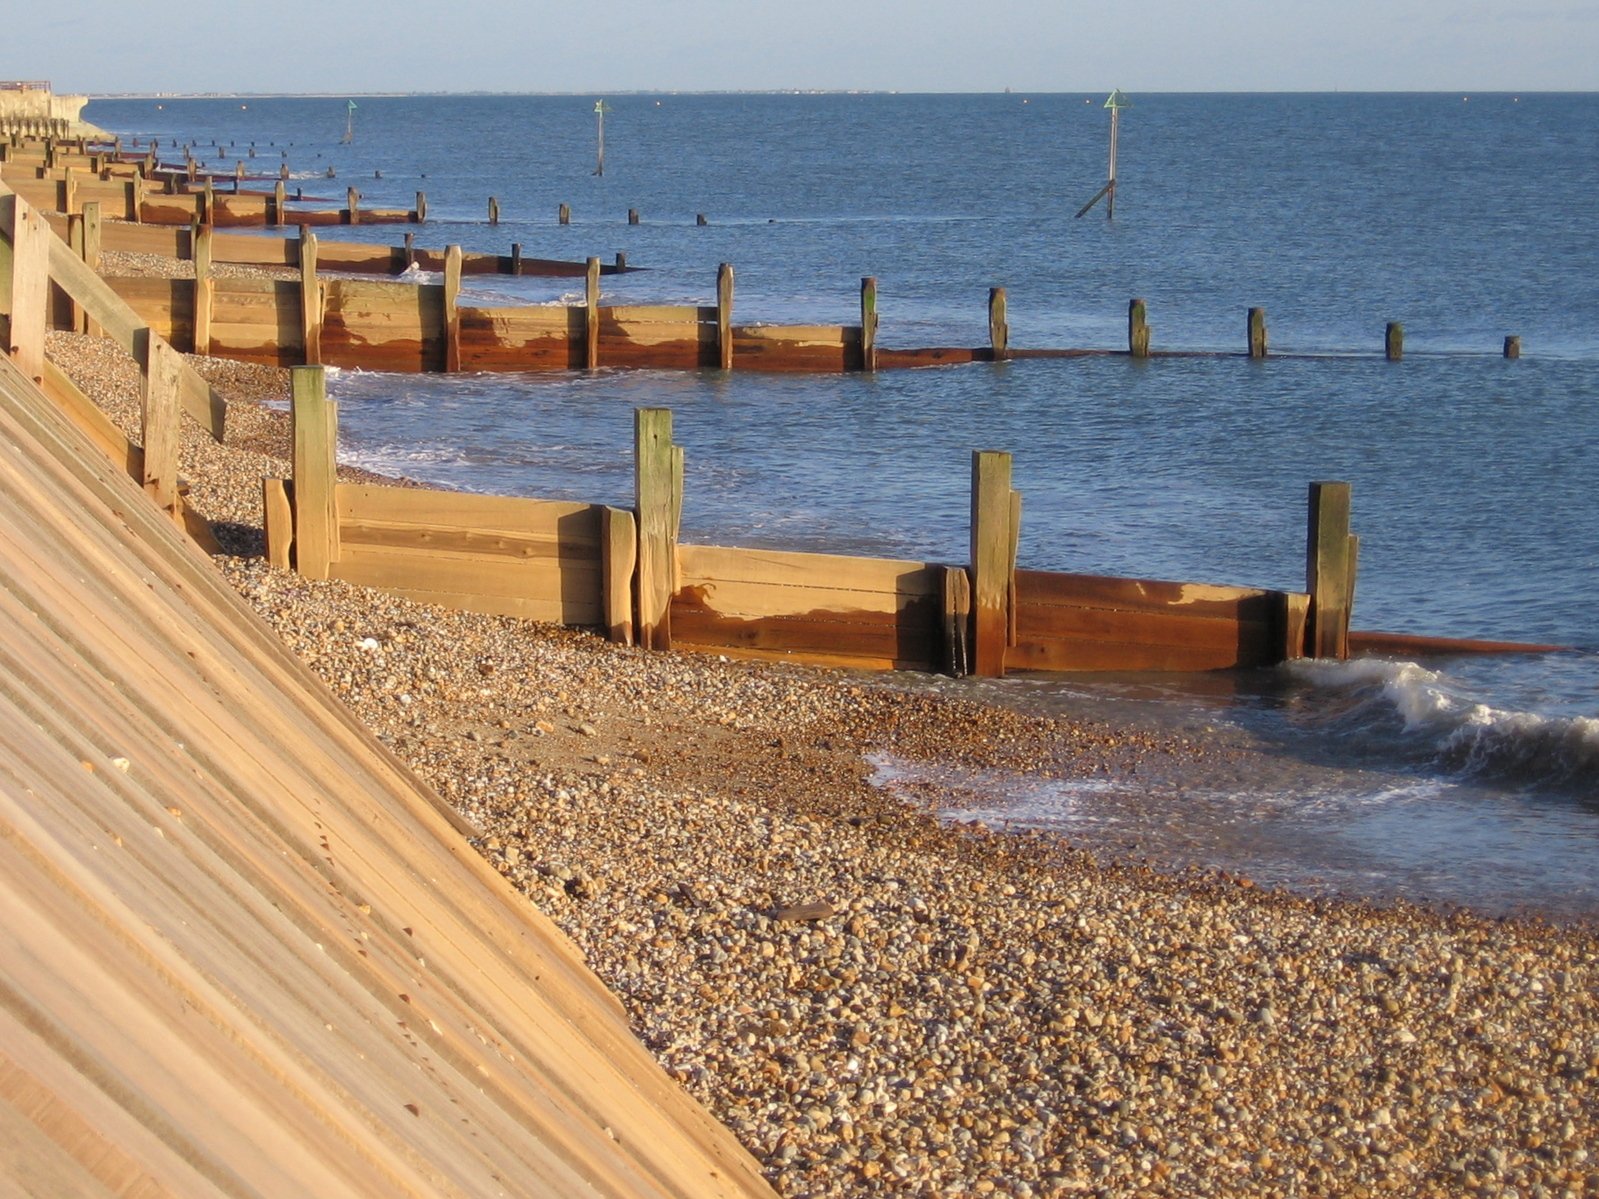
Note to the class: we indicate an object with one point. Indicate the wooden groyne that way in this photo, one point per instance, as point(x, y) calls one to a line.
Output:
point(424, 327)
point(627, 572)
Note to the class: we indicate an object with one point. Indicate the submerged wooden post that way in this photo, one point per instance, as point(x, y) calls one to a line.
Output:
point(160, 406)
point(452, 308)
point(204, 287)
point(1512, 347)
point(30, 284)
point(957, 596)
point(314, 431)
point(563, 214)
point(591, 315)
point(310, 300)
point(657, 498)
point(419, 214)
point(632, 216)
point(998, 327)
point(1394, 341)
point(724, 316)
point(991, 560)
point(869, 324)
point(1329, 570)
point(1257, 332)
point(494, 211)
point(1137, 329)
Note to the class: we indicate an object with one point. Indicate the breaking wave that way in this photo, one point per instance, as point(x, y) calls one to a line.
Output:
point(1430, 714)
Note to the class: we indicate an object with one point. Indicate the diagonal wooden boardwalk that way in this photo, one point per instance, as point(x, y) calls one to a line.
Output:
point(242, 950)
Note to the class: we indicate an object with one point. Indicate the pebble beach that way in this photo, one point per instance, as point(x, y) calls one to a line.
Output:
point(880, 999)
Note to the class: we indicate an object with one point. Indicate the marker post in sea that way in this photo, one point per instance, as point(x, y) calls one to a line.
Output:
point(600, 109)
point(1118, 100)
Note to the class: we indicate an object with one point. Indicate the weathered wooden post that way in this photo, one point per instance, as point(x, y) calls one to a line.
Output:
point(619, 560)
point(998, 327)
point(419, 214)
point(869, 323)
point(657, 498)
point(1512, 347)
point(632, 216)
point(621, 261)
point(452, 309)
point(314, 432)
point(1329, 570)
point(516, 258)
point(992, 557)
point(90, 253)
point(700, 220)
point(280, 198)
point(1257, 332)
point(563, 214)
point(160, 408)
point(494, 211)
point(724, 316)
point(204, 287)
point(310, 300)
point(1394, 342)
point(408, 249)
point(352, 206)
point(30, 283)
point(957, 597)
point(591, 315)
point(1137, 329)
point(208, 202)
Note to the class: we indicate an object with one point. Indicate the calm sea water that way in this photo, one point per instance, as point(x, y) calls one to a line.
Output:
point(1465, 217)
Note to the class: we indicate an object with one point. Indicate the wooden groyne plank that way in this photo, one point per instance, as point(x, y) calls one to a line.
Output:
point(1090, 622)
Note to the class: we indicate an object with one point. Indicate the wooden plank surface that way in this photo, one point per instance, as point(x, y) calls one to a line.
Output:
point(565, 592)
point(877, 613)
point(464, 509)
point(259, 928)
point(1086, 622)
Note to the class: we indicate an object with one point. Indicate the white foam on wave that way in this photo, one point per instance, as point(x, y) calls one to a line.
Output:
point(1469, 737)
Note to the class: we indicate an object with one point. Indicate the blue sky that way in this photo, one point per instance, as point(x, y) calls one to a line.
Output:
point(100, 46)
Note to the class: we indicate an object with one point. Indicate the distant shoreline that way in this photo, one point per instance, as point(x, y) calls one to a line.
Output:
point(788, 91)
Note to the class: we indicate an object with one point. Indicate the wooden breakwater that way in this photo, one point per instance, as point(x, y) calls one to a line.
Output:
point(627, 572)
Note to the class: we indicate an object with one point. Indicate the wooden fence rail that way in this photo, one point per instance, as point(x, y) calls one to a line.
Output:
point(627, 572)
point(41, 274)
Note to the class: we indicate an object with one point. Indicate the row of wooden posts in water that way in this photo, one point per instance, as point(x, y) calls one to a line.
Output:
point(148, 192)
point(404, 326)
point(667, 336)
point(626, 570)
